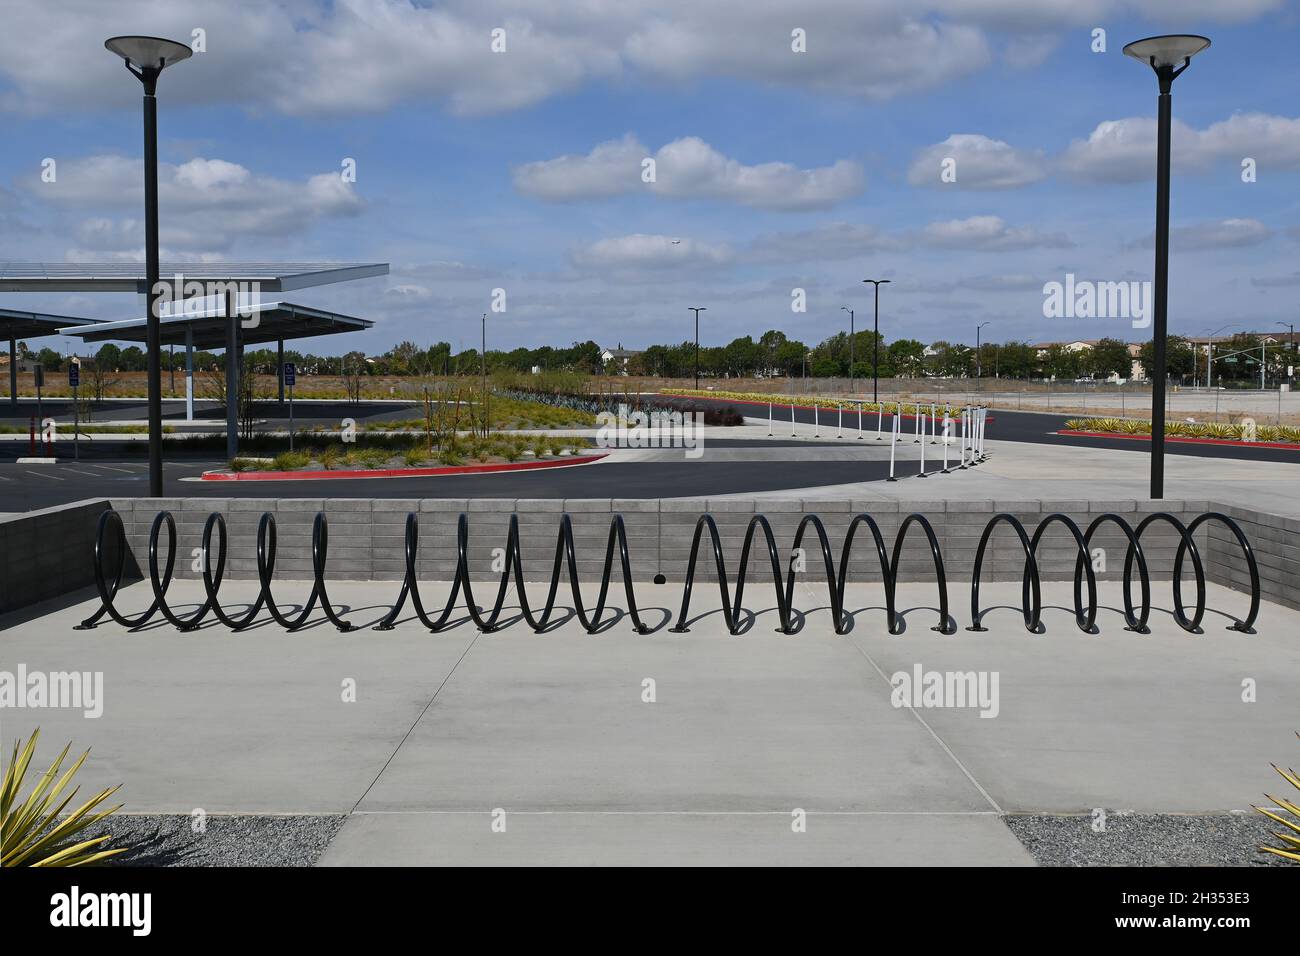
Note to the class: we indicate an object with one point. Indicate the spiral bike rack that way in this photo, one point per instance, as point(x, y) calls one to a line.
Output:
point(212, 563)
point(1085, 618)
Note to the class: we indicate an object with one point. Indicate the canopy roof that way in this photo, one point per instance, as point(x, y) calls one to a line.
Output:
point(266, 322)
point(15, 324)
point(130, 277)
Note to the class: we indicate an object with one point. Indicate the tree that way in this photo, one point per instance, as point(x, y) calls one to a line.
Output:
point(1179, 358)
point(906, 358)
point(1109, 357)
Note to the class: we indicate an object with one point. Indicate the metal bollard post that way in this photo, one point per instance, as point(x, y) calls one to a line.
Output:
point(793, 433)
point(880, 417)
point(965, 417)
point(893, 443)
point(932, 428)
point(919, 425)
point(947, 433)
point(923, 474)
point(769, 419)
point(839, 429)
point(817, 420)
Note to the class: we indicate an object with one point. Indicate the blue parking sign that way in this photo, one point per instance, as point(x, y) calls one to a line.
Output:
point(290, 372)
point(74, 374)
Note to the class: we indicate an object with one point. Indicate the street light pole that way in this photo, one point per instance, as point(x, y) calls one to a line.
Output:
point(979, 363)
point(1161, 54)
point(145, 58)
point(697, 312)
point(851, 335)
point(875, 343)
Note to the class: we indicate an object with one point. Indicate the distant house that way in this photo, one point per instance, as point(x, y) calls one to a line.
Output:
point(1136, 371)
point(619, 356)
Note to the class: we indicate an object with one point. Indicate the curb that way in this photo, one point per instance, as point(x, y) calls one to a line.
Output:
point(397, 472)
point(1234, 442)
point(749, 401)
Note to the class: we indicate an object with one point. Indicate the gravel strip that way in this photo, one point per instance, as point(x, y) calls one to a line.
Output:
point(1148, 839)
point(169, 840)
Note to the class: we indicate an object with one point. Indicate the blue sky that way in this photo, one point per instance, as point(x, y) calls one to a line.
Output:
point(775, 169)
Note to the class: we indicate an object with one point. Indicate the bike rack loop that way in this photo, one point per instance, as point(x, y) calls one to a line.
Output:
point(564, 560)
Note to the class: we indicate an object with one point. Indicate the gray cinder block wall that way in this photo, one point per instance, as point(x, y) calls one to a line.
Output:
point(366, 537)
point(1275, 541)
point(47, 553)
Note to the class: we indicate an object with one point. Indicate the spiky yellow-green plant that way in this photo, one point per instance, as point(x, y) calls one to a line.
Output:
point(32, 832)
point(1290, 848)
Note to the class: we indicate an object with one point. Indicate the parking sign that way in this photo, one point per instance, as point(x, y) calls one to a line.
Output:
point(74, 375)
point(290, 372)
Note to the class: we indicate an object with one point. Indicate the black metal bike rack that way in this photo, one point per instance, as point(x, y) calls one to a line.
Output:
point(565, 561)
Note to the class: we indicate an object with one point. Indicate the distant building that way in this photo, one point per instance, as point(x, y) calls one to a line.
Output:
point(1136, 371)
point(619, 356)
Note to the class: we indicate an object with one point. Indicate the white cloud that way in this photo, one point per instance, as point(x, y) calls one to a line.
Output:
point(1220, 234)
point(687, 168)
point(1124, 150)
point(641, 252)
point(836, 240)
point(989, 233)
point(205, 203)
point(979, 162)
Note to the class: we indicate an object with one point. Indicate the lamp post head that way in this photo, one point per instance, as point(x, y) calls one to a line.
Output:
point(146, 57)
point(1164, 54)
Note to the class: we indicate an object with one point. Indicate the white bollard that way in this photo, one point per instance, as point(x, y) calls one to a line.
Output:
point(923, 474)
point(947, 437)
point(769, 419)
point(817, 420)
point(920, 425)
point(964, 420)
point(839, 429)
point(880, 417)
point(793, 433)
point(859, 421)
point(932, 429)
point(893, 443)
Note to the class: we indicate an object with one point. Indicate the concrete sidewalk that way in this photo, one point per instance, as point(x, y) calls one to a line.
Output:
point(1017, 470)
point(552, 729)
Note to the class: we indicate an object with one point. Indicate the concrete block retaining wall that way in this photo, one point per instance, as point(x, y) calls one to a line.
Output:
point(1276, 543)
point(366, 536)
point(46, 553)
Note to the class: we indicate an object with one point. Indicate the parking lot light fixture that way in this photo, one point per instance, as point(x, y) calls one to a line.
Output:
point(146, 58)
point(1168, 56)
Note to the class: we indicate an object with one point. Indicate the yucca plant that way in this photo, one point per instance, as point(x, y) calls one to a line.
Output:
point(1290, 848)
point(31, 832)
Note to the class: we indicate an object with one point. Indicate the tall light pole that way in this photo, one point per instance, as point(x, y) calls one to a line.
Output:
point(851, 333)
point(875, 343)
point(697, 341)
point(1168, 56)
point(484, 366)
point(1209, 353)
point(145, 58)
point(979, 364)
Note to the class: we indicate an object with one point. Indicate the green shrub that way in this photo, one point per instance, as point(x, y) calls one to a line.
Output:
point(289, 461)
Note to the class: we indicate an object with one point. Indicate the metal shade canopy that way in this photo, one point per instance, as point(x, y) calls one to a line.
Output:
point(148, 53)
point(1167, 51)
point(130, 277)
point(16, 324)
point(275, 321)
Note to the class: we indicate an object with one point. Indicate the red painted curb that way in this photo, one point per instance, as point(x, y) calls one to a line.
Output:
point(1236, 442)
point(396, 472)
point(775, 405)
